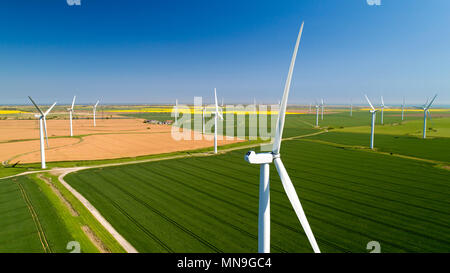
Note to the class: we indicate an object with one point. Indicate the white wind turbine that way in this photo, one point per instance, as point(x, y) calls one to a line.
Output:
point(382, 110)
point(373, 111)
point(403, 108)
point(264, 159)
point(317, 114)
point(426, 111)
point(203, 119)
point(94, 111)
point(70, 114)
point(351, 108)
point(176, 111)
point(323, 106)
point(42, 129)
point(217, 114)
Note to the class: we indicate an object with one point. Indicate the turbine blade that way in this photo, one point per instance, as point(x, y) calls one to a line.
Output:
point(73, 102)
point(49, 109)
point(215, 100)
point(295, 202)
point(95, 106)
point(431, 102)
point(282, 113)
point(426, 102)
point(35, 105)
point(431, 119)
point(45, 129)
point(371, 106)
point(382, 101)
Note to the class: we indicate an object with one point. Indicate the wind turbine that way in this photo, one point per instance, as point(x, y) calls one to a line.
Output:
point(373, 111)
point(351, 108)
point(426, 111)
point(94, 110)
point(323, 106)
point(317, 114)
point(264, 159)
point(70, 114)
point(176, 111)
point(42, 129)
point(403, 107)
point(216, 116)
point(203, 119)
point(382, 110)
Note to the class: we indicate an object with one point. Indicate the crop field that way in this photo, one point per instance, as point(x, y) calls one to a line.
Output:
point(209, 204)
point(35, 220)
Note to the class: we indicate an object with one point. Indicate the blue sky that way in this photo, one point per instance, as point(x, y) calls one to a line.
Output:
point(156, 51)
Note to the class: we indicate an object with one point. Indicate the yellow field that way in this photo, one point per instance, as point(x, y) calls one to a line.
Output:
point(198, 110)
point(8, 112)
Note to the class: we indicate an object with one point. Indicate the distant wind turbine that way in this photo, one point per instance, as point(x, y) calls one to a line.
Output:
point(94, 112)
point(373, 111)
point(403, 108)
point(382, 110)
point(323, 106)
point(264, 159)
point(426, 111)
point(216, 116)
point(176, 111)
point(42, 129)
point(203, 119)
point(71, 114)
point(317, 114)
point(351, 108)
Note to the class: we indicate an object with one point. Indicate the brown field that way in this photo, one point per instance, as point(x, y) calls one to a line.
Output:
point(112, 138)
point(29, 129)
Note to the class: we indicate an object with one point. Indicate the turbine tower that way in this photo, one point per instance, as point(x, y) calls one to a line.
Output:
point(42, 129)
point(216, 116)
point(426, 111)
point(373, 111)
point(70, 114)
point(403, 108)
point(176, 111)
point(317, 114)
point(94, 110)
point(264, 159)
point(382, 110)
point(203, 119)
point(323, 106)
point(351, 108)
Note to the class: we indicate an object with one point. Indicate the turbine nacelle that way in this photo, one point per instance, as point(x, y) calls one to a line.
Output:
point(261, 158)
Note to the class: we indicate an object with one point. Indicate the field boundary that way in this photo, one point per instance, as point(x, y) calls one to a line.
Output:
point(37, 223)
point(119, 238)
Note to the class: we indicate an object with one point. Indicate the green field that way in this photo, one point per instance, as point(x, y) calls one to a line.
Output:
point(210, 204)
point(34, 219)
